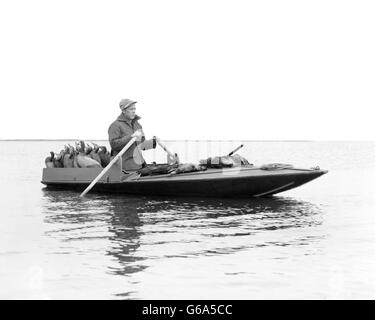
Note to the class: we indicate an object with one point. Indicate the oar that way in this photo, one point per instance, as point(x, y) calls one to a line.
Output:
point(235, 150)
point(104, 171)
point(163, 146)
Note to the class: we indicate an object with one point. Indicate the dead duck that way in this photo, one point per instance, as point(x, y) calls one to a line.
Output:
point(83, 160)
point(239, 160)
point(188, 167)
point(218, 162)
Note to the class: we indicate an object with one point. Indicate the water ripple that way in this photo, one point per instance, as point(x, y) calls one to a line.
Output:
point(134, 231)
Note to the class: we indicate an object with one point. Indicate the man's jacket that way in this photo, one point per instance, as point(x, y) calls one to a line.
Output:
point(120, 132)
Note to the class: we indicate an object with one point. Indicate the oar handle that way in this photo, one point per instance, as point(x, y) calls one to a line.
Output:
point(163, 146)
point(104, 171)
point(235, 150)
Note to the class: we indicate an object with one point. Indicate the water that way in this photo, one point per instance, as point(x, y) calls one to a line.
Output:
point(314, 242)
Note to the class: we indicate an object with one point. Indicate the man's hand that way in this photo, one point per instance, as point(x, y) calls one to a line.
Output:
point(138, 134)
point(154, 142)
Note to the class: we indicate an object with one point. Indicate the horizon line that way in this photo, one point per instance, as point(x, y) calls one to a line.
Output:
point(197, 140)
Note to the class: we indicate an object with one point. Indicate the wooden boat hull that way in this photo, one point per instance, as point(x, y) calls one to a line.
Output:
point(246, 181)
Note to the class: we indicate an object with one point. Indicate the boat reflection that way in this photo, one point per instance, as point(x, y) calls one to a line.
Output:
point(137, 230)
point(125, 227)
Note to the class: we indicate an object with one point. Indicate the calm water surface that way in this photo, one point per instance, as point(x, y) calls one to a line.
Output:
point(314, 242)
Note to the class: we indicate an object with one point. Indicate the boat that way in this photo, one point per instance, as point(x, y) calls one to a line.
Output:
point(242, 181)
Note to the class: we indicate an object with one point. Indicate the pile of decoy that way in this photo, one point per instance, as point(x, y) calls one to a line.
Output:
point(83, 155)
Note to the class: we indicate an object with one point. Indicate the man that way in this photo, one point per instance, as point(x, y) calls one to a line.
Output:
point(122, 130)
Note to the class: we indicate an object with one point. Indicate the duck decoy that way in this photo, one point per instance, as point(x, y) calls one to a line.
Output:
point(68, 158)
point(88, 149)
point(85, 161)
point(49, 160)
point(58, 160)
point(104, 155)
point(94, 154)
point(75, 160)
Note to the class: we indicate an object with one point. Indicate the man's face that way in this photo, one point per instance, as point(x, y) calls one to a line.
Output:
point(130, 112)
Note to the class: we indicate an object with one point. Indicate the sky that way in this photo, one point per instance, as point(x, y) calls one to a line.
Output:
point(246, 70)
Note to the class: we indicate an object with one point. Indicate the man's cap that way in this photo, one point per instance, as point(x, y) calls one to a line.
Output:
point(125, 103)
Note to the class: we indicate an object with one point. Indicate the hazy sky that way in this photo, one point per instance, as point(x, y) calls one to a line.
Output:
point(198, 69)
